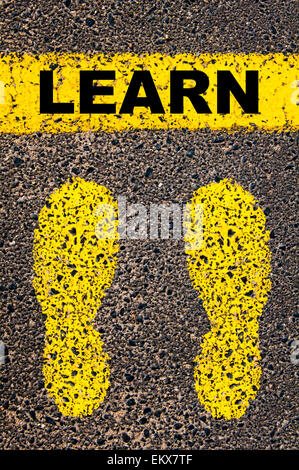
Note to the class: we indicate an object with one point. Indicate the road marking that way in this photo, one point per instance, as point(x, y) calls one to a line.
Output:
point(295, 94)
point(2, 93)
point(73, 268)
point(21, 74)
point(231, 272)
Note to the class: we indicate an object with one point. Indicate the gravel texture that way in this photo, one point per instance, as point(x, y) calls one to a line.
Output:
point(151, 319)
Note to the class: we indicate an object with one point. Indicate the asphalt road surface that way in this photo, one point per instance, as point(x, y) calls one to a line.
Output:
point(151, 319)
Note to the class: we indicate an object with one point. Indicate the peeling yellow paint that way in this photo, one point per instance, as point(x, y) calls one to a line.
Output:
point(73, 267)
point(231, 272)
point(21, 114)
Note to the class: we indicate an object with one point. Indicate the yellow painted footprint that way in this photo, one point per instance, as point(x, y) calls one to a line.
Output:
point(230, 268)
point(73, 266)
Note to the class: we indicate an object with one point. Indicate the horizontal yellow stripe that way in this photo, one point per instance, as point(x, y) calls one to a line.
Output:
point(20, 92)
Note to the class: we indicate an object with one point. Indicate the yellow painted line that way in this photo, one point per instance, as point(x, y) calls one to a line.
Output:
point(20, 74)
point(73, 267)
point(231, 272)
point(2, 93)
point(295, 94)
